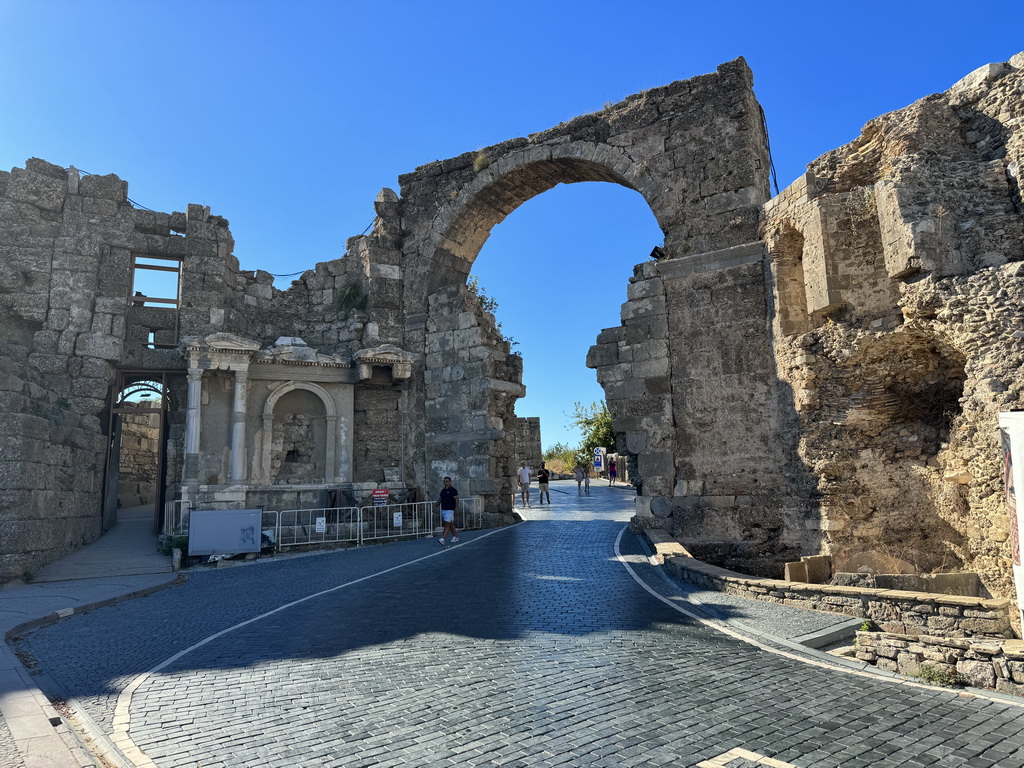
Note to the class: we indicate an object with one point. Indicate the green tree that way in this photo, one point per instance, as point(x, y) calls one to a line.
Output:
point(595, 423)
point(561, 457)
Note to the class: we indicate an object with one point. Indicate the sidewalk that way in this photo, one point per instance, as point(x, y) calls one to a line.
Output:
point(121, 565)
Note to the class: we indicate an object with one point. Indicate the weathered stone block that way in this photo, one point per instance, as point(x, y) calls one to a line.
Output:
point(99, 345)
point(42, 191)
point(977, 673)
point(602, 355)
point(796, 571)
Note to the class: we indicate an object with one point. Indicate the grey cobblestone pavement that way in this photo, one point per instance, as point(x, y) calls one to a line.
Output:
point(526, 646)
point(9, 755)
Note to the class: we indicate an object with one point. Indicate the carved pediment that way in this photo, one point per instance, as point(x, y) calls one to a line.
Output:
point(225, 351)
point(384, 356)
point(292, 349)
point(221, 342)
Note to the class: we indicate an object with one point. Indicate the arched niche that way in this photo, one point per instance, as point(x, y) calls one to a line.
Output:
point(300, 428)
point(787, 251)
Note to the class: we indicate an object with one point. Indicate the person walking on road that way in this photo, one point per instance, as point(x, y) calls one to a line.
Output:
point(612, 471)
point(543, 478)
point(579, 472)
point(448, 500)
point(523, 476)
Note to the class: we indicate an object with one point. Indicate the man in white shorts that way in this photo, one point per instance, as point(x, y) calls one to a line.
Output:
point(448, 500)
point(523, 474)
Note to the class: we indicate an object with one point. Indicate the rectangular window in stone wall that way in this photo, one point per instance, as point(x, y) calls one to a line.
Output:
point(154, 301)
point(155, 280)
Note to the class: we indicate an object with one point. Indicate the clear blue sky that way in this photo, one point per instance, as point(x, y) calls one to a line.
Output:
point(287, 118)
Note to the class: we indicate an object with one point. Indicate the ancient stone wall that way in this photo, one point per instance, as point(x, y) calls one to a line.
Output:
point(140, 451)
point(899, 325)
point(820, 372)
point(695, 150)
point(379, 423)
point(891, 609)
point(72, 319)
point(980, 663)
point(59, 335)
point(528, 443)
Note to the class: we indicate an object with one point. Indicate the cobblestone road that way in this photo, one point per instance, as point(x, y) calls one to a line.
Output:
point(527, 646)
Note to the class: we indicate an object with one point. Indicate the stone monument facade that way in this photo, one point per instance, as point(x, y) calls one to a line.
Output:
point(817, 372)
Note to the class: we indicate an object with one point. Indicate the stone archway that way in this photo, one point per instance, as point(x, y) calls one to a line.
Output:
point(696, 152)
point(461, 227)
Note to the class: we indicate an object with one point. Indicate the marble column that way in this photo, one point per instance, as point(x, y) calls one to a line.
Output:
point(192, 418)
point(238, 414)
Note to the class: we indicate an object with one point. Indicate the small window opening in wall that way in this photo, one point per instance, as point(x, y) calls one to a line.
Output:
point(156, 281)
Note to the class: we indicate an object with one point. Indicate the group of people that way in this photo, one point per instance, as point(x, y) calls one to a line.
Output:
point(448, 498)
point(523, 479)
point(580, 473)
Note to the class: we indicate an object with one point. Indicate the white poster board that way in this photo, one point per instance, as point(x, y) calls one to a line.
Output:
point(224, 531)
point(1011, 438)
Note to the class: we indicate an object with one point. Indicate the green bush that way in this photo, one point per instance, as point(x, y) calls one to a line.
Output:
point(167, 543)
point(939, 676)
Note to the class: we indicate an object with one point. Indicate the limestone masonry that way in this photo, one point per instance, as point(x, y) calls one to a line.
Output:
point(817, 373)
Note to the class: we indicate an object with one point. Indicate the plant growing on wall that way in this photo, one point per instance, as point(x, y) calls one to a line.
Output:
point(352, 296)
point(487, 304)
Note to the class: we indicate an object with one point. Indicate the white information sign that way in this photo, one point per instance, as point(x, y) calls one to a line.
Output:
point(224, 531)
point(396, 519)
point(599, 454)
point(321, 525)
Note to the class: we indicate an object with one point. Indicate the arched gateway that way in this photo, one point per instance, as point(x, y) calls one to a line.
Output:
point(822, 372)
point(389, 351)
point(692, 359)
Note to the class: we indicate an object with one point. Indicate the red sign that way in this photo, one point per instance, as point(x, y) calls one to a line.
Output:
point(380, 496)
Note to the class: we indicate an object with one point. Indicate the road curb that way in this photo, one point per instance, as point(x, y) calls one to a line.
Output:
point(40, 732)
point(49, 618)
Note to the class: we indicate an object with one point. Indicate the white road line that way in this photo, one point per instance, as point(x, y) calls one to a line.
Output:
point(122, 715)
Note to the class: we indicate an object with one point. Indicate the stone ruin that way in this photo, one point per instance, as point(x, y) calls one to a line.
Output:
point(818, 372)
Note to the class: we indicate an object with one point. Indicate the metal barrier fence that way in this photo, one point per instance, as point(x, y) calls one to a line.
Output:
point(176, 517)
point(469, 516)
point(292, 527)
point(314, 526)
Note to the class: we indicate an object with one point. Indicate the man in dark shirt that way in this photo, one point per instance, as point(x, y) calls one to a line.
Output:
point(448, 499)
point(543, 476)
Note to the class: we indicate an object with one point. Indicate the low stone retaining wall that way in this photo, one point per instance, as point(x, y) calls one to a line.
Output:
point(896, 611)
point(997, 664)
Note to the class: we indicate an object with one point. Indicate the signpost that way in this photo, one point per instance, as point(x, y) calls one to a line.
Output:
point(599, 454)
